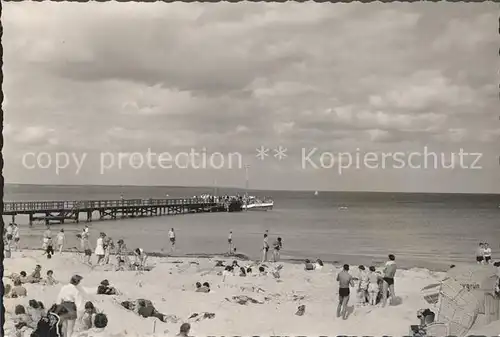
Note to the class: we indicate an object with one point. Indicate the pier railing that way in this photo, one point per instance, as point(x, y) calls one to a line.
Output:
point(23, 206)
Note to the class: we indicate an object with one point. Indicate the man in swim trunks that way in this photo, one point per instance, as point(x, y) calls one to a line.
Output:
point(388, 284)
point(480, 253)
point(345, 281)
point(265, 249)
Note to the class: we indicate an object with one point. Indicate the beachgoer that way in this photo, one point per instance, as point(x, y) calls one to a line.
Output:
point(86, 247)
point(480, 253)
point(22, 317)
point(345, 281)
point(373, 288)
point(487, 253)
point(88, 316)
point(49, 246)
point(205, 288)
point(70, 300)
point(34, 311)
point(50, 280)
point(35, 276)
point(9, 233)
point(18, 290)
point(99, 248)
point(243, 272)
point(171, 236)
point(362, 285)
point(230, 242)
point(60, 240)
point(308, 265)
point(47, 235)
point(23, 277)
point(146, 309)
point(100, 322)
point(140, 258)
point(265, 248)
point(22, 330)
point(49, 324)
point(318, 265)
point(7, 245)
point(121, 250)
point(105, 289)
point(108, 245)
point(388, 285)
point(277, 246)
point(184, 330)
point(228, 271)
point(16, 235)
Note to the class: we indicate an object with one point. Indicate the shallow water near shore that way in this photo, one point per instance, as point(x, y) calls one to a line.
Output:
point(429, 231)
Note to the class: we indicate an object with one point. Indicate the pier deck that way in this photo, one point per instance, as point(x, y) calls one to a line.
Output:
point(59, 211)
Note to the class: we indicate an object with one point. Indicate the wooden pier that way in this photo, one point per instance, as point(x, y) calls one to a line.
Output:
point(59, 211)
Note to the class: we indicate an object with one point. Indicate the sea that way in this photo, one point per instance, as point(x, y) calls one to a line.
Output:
point(422, 230)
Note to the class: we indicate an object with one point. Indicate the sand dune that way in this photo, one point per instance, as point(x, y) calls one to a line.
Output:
point(171, 288)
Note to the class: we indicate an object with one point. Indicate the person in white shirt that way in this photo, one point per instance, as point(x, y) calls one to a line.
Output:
point(487, 253)
point(171, 235)
point(230, 242)
point(71, 305)
point(60, 240)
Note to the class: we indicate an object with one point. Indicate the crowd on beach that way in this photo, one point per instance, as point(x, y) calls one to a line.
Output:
point(69, 309)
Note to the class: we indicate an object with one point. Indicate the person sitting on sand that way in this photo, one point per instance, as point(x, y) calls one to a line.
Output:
point(480, 253)
point(345, 281)
point(487, 253)
point(277, 246)
point(23, 277)
point(20, 315)
point(99, 323)
point(18, 290)
point(123, 265)
point(318, 265)
point(35, 311)
point(50, 280)
point(60, 241)
point(140, 259)
point(36, 276)
point(262, 271)
point(7, 289)
point(249, 270)
point(205, 288)
point(144, 308)
point(49, 325)
point(243, 272)
point(88, 316)
point(105, 289)
point(265, 248)
point(184, 330)
point(308, 265)
point(362, 285)
point(22, 330)
point(388, 285)
point(373, 286)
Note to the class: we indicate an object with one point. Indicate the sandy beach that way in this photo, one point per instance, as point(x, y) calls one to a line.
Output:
point(170, 285)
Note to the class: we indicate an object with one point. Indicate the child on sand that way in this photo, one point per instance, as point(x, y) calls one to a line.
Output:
point(184, 330)
point(345, 281)
point(362, 285)
point(50, 280)
point(88, 316)
point(171, 236)
point(480, 253)
point(60, 240)
point(36, 276)
point(18, 290)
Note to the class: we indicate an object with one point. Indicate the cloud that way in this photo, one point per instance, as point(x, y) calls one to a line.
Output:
point(128, 77)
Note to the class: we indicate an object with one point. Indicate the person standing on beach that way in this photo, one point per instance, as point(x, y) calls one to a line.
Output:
point(60, 240)
point(171, 235)
point(373, 288)
point(230, 242)
point(480, 253)
point(487, 253)
point(16, 236)
point(388, 284)
point(47, 235)
point(277, 246)
point(108, 245)
point(86, 247)
point(345, 281)
point(265, 249)
point(362, 285)
point(99, 248)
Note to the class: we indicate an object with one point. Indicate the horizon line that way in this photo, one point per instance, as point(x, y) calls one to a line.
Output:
point(251, 189)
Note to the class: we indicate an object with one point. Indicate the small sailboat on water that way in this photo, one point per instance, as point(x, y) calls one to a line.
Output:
point(316, 193)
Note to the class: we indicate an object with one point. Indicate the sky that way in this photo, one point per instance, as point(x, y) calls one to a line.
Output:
point(358, 97)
